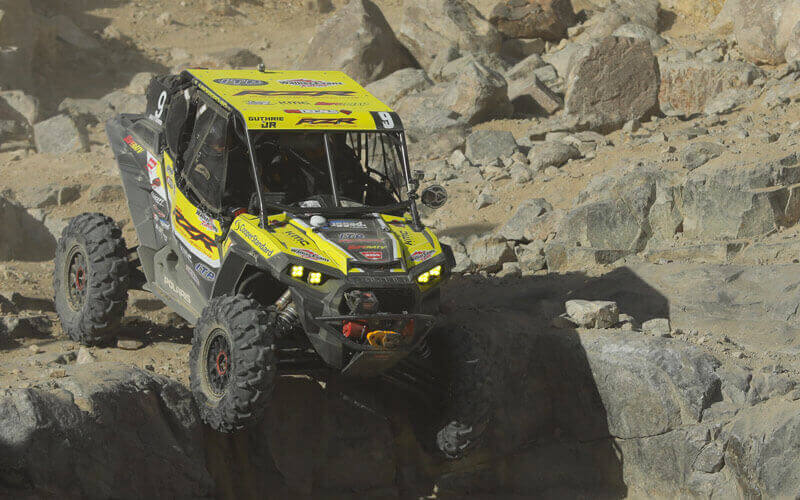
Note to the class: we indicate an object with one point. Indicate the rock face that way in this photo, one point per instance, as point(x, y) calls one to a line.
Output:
point(546, 19)
point(432, 26)
point(18, 28)
point(686, 87)
point(616, 81)
point(111, 431)
point(551, 154)
point(516, 226)
point(366, 47)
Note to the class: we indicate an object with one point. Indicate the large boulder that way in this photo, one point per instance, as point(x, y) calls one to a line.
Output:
point(357, 40)
point(476, 94)
point(616, 81)
point(763, 28)
point(432, 26)
point(58, 135)
point(526, 214)
point(546, 19)
point(399, 84)
point(25, 237)
point(687, 86)
point(484, 146)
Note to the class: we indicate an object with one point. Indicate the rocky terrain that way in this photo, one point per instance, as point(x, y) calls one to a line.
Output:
point(624, 180)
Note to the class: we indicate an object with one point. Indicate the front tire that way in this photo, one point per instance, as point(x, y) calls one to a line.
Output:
point(233, 362)
point(91, 277)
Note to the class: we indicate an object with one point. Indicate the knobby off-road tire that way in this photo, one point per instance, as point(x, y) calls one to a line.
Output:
point(233, 362)
point(91, 277)
point(464, 362)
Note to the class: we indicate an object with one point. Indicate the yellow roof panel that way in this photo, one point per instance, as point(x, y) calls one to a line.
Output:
point(297, 100)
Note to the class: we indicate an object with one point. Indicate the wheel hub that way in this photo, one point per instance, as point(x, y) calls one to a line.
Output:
point(218, 363)
point(76, 279)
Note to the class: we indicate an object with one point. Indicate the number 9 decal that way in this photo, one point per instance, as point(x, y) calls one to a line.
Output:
point(162, 99)
point(385, 120)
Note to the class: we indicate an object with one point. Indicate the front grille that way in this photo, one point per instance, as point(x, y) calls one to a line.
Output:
point(390, 300)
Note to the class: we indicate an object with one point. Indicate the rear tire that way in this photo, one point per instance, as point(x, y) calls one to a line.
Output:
point(233, 362)
point(91, 277)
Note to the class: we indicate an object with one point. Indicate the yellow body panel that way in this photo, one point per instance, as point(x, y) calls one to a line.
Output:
point(297, 100)
point(417, 249)
point(193, 229)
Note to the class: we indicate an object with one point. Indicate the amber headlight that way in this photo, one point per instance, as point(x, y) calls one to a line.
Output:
point(429, 275)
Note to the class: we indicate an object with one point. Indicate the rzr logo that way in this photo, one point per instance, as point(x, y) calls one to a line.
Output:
point(327, 121)
point(309, 93)
point(318, 111)
point(194, 233)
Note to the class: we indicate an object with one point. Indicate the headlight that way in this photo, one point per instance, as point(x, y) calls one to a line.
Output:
point(314, 278)
point(424, 277)
point(297, 271)
point(430, 275)
point(436, 271)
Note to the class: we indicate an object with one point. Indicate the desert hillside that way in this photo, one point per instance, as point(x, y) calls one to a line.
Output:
point(624, 199)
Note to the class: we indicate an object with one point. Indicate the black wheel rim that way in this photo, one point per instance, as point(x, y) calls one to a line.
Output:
point(77, 279)
point(218, 362)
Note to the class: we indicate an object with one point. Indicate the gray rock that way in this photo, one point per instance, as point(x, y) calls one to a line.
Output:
point(551, 154)
point(476, 94)
point(509, 269)
point(762, 29)
point(31, 241)
point(656, 326)
point(561, 257)
point(727, 101)
point(487, 145)
point(399, 84)
point(484, 200)
point(546, 19)
point(593, 313)
point(24, 104)
point(85, 356)
point(129, 344)
point(532, 96)
point(640, 32)
point(366, 47)
point(531, 256)
point(488, 253)
point(431, 26)
point(66, 31)
point(522, 48)
point(520, 173)
point(523, 69)
point(697, 154)
point(606, 99)
point(58, 135)
point(517, 225)
point(68, 194)
point(688, 86)
point(106, 193)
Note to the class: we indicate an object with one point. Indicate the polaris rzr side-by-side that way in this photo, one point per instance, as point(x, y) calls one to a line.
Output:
point(276, 212)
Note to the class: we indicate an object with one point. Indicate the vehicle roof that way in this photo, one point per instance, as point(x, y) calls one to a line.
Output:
point(297, 100)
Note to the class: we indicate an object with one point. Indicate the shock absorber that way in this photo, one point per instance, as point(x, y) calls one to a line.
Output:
point(424, 349)
point(287, 318)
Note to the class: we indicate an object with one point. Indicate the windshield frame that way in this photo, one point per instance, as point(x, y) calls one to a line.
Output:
point(397, 136)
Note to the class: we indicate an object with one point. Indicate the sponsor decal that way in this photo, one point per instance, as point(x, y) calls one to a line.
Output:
point(348, 224)
point(406, 237)
point(241, 229)
point(192, 274)
point(318, 111)
point(351, 236)
point(177, 291)
point(161, 222)
point(422, 255)
point(296, 93)
point(240, 82)
point(152, 163)
point(303, 82)
point(205, 220)
point(296, 237)
point(133, 144)
point(265, 118)
point(155, 179)
point(326, 121)
point(186, 253)
point(372, 255)
point(309, 254)
point(194, 233)
point(259, 103)
point(366, 247)
point(158, 201)
point(205, 272)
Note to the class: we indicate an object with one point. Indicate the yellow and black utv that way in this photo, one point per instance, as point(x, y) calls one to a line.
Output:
point(276, 211)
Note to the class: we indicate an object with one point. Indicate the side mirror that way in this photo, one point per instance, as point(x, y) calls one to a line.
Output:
point(434, 196)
